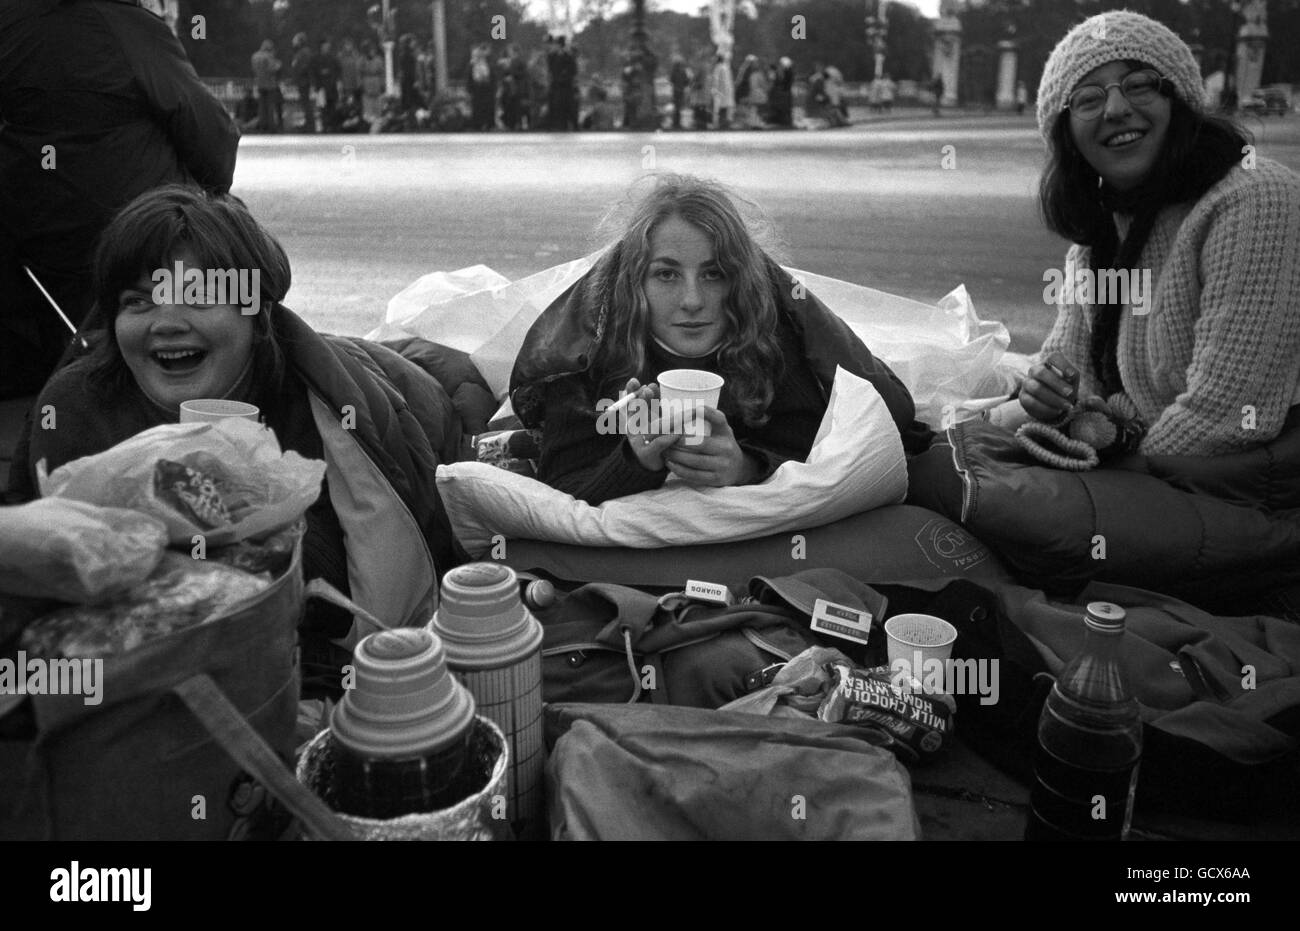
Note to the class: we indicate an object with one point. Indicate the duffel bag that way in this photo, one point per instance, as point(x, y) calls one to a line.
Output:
point(612, 643)
point(649, 772)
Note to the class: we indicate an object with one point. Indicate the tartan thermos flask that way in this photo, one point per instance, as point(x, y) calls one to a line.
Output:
point(494, 646)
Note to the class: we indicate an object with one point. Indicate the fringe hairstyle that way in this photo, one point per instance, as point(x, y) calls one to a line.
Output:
point(749, 356)
point(1199, 150)
point(218, 232)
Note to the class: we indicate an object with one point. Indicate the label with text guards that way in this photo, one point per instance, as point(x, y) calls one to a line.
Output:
point(711, 592)
point(841, 621)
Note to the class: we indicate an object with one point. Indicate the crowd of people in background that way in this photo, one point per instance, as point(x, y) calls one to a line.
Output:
point(335, 91)
point(342, 89)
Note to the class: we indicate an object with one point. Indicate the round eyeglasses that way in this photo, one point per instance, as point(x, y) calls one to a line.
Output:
point(1138, 87)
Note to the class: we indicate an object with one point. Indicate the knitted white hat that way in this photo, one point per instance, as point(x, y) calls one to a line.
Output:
point(1119, 35)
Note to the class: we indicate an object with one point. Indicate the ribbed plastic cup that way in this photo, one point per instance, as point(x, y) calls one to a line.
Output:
point(494, 645)
point(403, 728)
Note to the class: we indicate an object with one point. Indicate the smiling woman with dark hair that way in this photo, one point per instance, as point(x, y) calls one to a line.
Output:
point(212, 354)
point(1179, 469)
point(1142, 178)
point(381, 423)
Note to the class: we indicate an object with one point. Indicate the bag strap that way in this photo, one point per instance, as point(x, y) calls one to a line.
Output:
point(247, 748)
point(319, 588)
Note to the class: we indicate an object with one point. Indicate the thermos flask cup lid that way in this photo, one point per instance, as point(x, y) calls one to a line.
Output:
point(404, 701)
point(481, 619)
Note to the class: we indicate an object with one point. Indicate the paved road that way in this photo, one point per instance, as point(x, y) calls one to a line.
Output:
point(361, 217)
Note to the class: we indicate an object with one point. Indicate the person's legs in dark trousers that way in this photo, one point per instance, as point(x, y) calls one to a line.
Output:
point(308, 108)
point(568, 104)
point(679, 100)
point(265, 109)
point(329, 113)
point(553, 114)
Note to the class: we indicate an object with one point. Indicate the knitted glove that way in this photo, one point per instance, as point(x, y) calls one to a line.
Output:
point(1089, 429)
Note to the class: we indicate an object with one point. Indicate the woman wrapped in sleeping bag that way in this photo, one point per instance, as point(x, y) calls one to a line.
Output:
point(686, 286)
point(1186, 379)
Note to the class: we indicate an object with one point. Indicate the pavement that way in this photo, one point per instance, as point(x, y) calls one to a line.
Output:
point(902, 202)
point(363, 216)
point(963, 797)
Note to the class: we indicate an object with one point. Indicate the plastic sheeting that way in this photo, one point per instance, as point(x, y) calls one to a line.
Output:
point(954, 363)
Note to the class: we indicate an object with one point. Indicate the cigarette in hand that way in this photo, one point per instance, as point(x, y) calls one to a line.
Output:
point(622, 402)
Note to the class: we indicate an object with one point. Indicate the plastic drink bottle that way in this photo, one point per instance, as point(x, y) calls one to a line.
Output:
point(1089, 742)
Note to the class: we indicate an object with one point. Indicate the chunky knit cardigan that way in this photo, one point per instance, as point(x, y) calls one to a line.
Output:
point(1214, 364)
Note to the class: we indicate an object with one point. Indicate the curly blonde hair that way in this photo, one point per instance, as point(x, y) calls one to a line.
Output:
point(749, 356)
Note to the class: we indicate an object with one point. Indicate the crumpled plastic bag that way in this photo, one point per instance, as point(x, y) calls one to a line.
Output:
point(955, 364)
point(272, 488)
point(73, 551)
point(798, 688)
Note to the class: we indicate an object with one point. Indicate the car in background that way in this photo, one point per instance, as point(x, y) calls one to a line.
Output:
point(1267, 101)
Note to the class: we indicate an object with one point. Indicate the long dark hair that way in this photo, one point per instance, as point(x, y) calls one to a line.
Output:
point(218, 232)
point(1199, 150)
point(749, 355)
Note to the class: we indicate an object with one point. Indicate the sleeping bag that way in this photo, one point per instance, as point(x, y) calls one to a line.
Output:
point(1222, 532)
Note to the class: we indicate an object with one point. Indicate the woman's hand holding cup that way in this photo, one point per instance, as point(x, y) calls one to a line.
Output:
point(715, 460)
point(1050, 389)
point(648, 447)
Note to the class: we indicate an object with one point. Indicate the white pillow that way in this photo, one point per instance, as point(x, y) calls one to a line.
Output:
point(856, 464)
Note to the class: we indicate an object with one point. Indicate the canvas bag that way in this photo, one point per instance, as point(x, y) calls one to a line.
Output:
point(612, 643)
point(139, 766)
point(1211, 744)
point(655, 772)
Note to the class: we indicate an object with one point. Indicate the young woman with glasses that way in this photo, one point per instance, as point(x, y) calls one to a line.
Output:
point(1142, 178)
point(1190, 486)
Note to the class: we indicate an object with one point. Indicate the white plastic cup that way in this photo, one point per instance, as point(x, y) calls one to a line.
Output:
point(207, 410)
point(916, 639)
point(686, 391)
